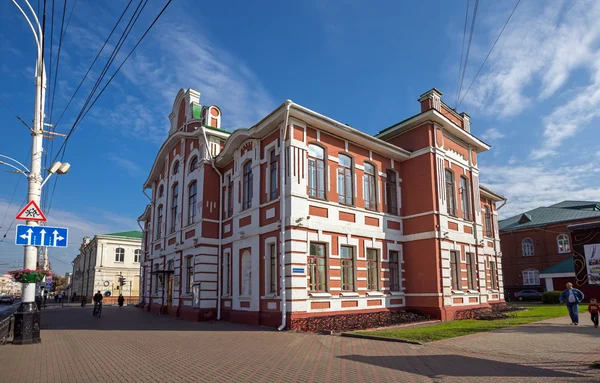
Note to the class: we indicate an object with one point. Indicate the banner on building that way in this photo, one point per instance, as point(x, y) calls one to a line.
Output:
point(592, 261)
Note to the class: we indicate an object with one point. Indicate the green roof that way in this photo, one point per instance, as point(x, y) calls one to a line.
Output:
point(565, 211)
point(216, 129)
point(565, 266)
point(127, 234)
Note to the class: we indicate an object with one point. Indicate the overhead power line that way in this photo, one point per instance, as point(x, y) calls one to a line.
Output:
point(16, 115)
point(462, 50)
point(488, 55)
point(468, 49)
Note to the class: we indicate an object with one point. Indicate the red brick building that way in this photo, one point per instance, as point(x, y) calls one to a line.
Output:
point(537, 248)
point(302, 216)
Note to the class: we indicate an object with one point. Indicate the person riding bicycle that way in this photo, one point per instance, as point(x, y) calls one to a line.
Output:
point(97, 300)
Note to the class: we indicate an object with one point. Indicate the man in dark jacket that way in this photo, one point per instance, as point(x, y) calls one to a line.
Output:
point(121, 300)
point(572, 297)
point(97, 300)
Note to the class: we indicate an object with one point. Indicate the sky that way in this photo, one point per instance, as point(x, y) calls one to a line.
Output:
point(535, 101)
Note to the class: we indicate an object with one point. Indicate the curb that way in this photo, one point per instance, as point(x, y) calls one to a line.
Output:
point(381, 338)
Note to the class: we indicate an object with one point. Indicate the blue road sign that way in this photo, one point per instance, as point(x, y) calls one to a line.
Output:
point(41, 236)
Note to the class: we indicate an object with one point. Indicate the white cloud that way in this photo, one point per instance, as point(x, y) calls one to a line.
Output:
point(492, 134)
point(528, 187)
point(129, 166)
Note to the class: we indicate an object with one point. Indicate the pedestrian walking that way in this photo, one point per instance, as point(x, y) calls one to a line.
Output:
point(594, 309)
point(572, 297)
point(121, 300)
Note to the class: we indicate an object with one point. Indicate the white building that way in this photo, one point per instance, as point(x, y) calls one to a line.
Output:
point(103, 260)
point(8, 286)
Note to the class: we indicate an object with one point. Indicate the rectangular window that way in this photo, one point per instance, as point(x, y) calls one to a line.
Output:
point(229, 196)
point(344, 180)
point(369, 189)
point(272, 281)
point(465, 198)
point(119, 254)
point(136, 255)
point(488, 222)
point(373, 269)
point(471, 271)
point(247, 197)
point(394, 266)
point(450, 193)
point(193, 191)
point(347, 261)
point(226, 273)
point(316, 171)
point(316, 268)
point(391, 194)
point(272, 176)
point(159, 223)
point(494, 276)
point(189, 266)
point(455, 270)
point(174, 202)
point(155, 279)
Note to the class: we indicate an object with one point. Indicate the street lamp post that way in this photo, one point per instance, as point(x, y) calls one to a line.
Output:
point(27, 317)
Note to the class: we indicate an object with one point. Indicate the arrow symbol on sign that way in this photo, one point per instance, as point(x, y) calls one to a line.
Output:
point(27, 236)
point(57, 237)
point(43, 233)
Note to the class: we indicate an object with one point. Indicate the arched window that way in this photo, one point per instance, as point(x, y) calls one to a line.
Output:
point(563, 243)
point(527, 246)
point(161, 191)
point(119, 254)
point(247, 195)
point(174, 205)
point(369, 189)
point(194, 163)
point(192, 192)
point(176, 167)
point(316, 171)
point(450, 193)
point(531, 277)
point(391, 193)
point(344, 180)
point(488, 222)
point(465, 198)
point(136, 255)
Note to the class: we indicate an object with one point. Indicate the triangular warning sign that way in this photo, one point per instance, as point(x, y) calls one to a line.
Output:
point(31, 212)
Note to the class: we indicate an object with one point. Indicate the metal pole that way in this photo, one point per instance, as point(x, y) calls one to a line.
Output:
point(27, 326)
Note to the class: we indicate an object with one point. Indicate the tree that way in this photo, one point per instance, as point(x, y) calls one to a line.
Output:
point(59, 283)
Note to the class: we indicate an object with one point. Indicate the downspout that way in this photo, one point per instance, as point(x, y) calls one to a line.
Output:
point(282, 157)
point(212, 162)
point(504, 203)
point(147, 196)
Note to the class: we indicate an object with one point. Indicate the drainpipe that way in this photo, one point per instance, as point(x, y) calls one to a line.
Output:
point(147, 196)
point(212, 162)
point(504, 203)
point(288, 103)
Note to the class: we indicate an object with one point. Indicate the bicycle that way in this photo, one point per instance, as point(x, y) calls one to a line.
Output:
point(97, 310)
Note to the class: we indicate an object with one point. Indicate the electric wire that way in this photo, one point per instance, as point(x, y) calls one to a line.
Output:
point(468, 48)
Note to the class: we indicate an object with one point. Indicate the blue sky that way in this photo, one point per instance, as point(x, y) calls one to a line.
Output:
point(535, 101)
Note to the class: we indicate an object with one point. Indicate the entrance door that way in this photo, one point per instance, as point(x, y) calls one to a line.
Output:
point(169, 293)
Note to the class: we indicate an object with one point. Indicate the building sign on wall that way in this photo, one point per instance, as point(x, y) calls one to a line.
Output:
point(592, 261)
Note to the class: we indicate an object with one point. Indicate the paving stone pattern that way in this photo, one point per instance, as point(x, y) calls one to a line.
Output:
point(129, 345)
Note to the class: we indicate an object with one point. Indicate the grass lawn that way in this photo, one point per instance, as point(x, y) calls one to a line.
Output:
point(444, 330)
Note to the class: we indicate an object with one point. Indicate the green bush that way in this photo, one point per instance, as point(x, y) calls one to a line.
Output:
point(551, 297)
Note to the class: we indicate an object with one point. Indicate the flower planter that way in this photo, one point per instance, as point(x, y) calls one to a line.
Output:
point(29, 275)
point(30, 278)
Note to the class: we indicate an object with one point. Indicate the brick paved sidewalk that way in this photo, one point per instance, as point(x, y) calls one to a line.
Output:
point(129, 345)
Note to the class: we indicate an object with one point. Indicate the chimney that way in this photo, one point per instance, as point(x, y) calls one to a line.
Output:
point(466, 122)
point(431, 99)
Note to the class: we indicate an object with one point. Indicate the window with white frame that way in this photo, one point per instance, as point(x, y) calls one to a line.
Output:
point(465, 198)
point(189, 274)
point(246, 274)
point(455, 270)
point(136, 255)
point(347, 263)
point(174, 203)
point(494, 273)
point(563, 243)
point(272, 269)
point(391, 193)
point(272, 175)
point(450, 193)
point(176, 168)
point(247, 189)
point(316, 171)
point(226, 274)
point(488, 222)
point(394, 266)
point(344, 180)
point(161, 191)
point(159, 222)
point(194, 163)
point(369, 186)
point(317, 273)
point(471, 271)
point(119, 254)
point(192, 198)
point(527, 247)
point(372, 269)
point(531, 277)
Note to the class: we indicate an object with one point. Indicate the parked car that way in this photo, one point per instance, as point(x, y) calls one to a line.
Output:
point(7, 299)
point(528, 295)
